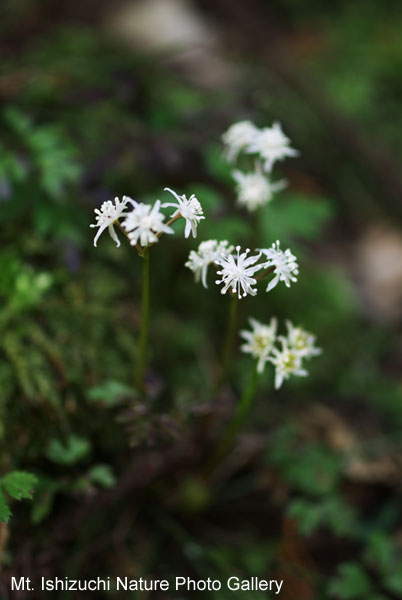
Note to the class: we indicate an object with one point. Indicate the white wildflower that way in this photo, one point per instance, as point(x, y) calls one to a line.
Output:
point(237, 273)
point(144, 223)
point(301, 341)
point(208, 252)
point(107, 215)
point(284, 265)
point(272, 145)
point(286, 361)
point(254, 189)
point(189, 208)
point(259, 341)
point(238, 137)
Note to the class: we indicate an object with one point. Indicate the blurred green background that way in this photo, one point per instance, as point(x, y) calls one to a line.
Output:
point(101, 99)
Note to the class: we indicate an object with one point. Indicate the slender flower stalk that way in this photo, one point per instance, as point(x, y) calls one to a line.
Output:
point(242, 408)
point(142, 226)
point(228, 346)
point(236, 422)
point(143, 339)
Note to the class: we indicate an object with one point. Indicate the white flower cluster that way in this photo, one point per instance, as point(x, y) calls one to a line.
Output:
point(237, 269)
point(288, 358)
point(207, 254)
point(270, 144)
point(145, 223)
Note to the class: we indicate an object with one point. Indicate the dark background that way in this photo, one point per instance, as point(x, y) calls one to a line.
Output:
point(99, 99)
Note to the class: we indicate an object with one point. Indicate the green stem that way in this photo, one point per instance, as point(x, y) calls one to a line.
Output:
point(241, 412)
point(143, 340)
point(235, 423)
point(229, 340)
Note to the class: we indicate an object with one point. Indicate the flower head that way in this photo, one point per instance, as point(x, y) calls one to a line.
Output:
point(259, 341)
point(286, 361)
point(238, 137)
point(284, 265)
point(208, 252)
point(189, 208)
point(254, 189)
point(272, 145)
point(144, 223)
point(301, 341)
point(237, 273)
point(108, 214)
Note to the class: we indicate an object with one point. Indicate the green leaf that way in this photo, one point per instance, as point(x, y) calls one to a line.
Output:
point(353, 582)
point(111, 392)
point(324, 513)
point(19, 484)
point(393, 582)
point(102, 475)
point(5, 512)
point(74, 449)
point(380, 550)
point(43, 502)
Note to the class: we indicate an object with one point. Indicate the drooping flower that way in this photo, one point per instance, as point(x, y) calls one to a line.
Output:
point(259, 341)
point(254, 189)
point(144, 223)
point(238, 137)
point(208, 252)
point(271, 144)
point(301, 341)
point(284, 265)
point(107, 215)
point(237, 273)
point(189, 208)
point(286, 361)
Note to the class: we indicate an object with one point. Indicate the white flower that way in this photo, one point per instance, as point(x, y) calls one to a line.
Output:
point(284, 265)
point(144, 223)
point(237, 272)
point(254, 189)
point(238, 137)
point(272, 145)
point(108, 214)
point(301, 341)
point(259, 341)
point(208, 252)
point(190, 209)
point(286, 361)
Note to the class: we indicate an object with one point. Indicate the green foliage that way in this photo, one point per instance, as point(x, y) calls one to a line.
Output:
point(69, 452)
point(110, 393)
point(5, 512)
point(69, 314)
point(313, 472)
point(102, 475)
point(20, 285)
point(18, 485)
point(49, 157)
point(353, 583)
point(296, 216)
point(316, 471)
point(44, 499)
point(332, 513)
